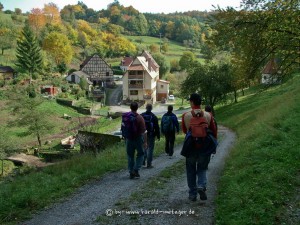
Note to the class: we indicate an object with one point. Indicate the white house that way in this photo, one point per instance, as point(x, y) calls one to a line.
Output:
point(162, 88)
point(270, 73)
point(141, 80)
point(76, 76)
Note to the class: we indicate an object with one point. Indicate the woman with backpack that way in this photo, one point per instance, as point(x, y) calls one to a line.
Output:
point(169, 125)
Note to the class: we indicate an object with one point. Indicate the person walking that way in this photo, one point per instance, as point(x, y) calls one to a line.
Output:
point(135, 135)
point(196, 161)
point(169, 125)
point(153, 131)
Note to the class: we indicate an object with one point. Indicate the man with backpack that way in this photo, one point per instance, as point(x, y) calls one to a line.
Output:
point(199, 127)
point(134, 132)
point(169, 125)
point(153, 131)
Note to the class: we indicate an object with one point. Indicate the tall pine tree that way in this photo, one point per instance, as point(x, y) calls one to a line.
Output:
point(29, 57)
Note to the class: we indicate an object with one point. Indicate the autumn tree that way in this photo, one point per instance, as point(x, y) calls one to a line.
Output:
point(52, 14)
point(59, 47)
point(37, 19)
point(28, 52)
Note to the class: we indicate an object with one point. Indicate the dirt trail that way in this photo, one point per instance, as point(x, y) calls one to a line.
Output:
point(94, 199)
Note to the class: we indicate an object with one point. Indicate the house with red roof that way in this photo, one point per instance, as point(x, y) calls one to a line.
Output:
point(126, 61)
point(271, 73)
point(141, 81)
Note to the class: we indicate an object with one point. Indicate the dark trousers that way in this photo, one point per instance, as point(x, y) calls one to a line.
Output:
point(169, 147)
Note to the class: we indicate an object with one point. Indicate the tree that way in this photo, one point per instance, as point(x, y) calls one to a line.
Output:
point(164, 66)
point(186, 60)
point(52, 14)
point(18, 11)
point(263, 30)
point(59, 47)
point(1, 7)
point(37, 19)
point(6, 145)
point(8, 33)
point(29, 57)
point(29, 115)
point(212, 81)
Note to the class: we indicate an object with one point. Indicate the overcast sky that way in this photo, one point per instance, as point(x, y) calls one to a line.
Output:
point(153, 6)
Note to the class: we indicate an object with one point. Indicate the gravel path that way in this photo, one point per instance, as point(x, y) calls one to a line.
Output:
point(97, 198)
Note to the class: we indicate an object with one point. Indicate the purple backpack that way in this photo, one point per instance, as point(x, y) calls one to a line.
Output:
point(129, 126)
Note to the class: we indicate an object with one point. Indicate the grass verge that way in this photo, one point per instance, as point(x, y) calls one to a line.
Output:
point(262, 173)
point(21, 196)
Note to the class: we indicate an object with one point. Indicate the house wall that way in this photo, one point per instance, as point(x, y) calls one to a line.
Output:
point(77, 78)
point(269, 79)
point(125, 87)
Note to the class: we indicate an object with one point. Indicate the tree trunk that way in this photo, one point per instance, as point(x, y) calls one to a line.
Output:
point(2, 172)
point(243, 92)
point(235, 96)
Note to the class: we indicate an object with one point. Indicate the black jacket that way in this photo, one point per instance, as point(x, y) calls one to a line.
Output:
point(156, 131)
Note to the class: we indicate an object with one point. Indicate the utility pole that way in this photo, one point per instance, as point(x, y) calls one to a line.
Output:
point(160, 42)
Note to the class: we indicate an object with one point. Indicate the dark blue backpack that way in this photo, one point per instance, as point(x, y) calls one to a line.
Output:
point(129, 126)
point(149, 122)
point(167, 125)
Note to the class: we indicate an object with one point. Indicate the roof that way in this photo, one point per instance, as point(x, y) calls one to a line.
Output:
point(82, 74)
point(6, 69)
point(147, 55)
point(271, 67)
point(136, 67)
point(126, 61)
point(163, 81)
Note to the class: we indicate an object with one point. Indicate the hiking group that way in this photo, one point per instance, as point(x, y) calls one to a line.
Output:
point(141, 130)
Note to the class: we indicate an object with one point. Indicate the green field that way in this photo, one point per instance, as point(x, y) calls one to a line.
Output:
point(175, 48)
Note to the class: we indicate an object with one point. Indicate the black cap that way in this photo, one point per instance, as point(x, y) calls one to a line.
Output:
point(195, 98)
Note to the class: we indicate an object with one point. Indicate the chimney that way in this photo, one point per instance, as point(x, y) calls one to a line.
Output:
point(149, 63)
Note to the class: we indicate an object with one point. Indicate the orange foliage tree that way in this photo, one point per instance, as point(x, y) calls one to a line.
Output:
point(37, 19)
point(52, 14)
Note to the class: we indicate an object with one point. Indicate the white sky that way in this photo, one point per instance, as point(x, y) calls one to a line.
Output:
point(153, 6)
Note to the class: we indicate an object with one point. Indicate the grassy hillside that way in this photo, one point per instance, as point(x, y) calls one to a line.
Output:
point(175, 49)
point(262, 173)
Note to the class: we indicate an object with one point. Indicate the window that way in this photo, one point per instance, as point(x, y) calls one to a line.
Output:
point(161, 86)
point(133, 92)
point(140, 72)
point(107, 74)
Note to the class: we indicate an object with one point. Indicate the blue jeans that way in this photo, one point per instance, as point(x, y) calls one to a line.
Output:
point(196, 167)
point(131, 146)
point(149, 151)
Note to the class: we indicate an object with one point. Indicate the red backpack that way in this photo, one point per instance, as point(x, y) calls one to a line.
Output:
point(198, 127)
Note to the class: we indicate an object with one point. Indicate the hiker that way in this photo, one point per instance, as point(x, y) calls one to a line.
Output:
point(153, 131)
point(196, 158)
point(169, 125)
point(134, 131)
point(208, 108)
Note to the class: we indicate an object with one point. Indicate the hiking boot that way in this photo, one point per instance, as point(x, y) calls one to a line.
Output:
point(193, 198)
point(131, 175)
point(149, 166)
point(201, 192)
point(136, 174)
